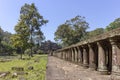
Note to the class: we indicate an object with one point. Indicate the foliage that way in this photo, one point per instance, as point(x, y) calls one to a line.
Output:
point(5, 46)
point(39, 52)
point(71, 31)
point(93, 33)
point(1, 34)
point(27, 51)
point(113, 25)
point(16, 40)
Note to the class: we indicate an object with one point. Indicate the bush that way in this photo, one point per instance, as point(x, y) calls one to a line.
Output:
point(39, 52)
point(27, 51)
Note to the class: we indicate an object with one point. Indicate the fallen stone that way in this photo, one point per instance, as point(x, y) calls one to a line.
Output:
point(18, 68)
point(25, 58)
point(21, 73)
point(15, 74)
point(4, 74)
point(36, 60)
point(29, 63)
point(5, 60)
point(22, 78)
point(30, 68)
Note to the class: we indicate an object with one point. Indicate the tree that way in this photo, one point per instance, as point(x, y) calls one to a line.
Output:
point(5, 46)
point(72, 31)
point(17, 42)
point(29, 25)
point(1, 34)
point(113, 25)
point(64, 34)
point(93, 33)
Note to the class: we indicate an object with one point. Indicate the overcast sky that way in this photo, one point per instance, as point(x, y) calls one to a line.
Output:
point(98, 13)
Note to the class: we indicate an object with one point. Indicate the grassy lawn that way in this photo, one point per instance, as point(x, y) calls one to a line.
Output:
point(38, 62)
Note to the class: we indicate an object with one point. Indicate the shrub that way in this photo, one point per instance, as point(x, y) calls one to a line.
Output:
point(27, 51)
point(39, 52)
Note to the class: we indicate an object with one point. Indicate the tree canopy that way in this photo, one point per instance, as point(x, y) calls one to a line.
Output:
point(71, 31)
point(5, 45)
point(93, 33)
point(113, 25)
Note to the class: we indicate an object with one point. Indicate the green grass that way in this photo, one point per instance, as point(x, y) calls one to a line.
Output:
point(38, 73)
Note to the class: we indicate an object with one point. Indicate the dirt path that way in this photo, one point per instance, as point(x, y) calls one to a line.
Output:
point(58, 69)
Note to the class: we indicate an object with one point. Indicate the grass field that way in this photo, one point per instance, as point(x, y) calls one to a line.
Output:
point(38, 62)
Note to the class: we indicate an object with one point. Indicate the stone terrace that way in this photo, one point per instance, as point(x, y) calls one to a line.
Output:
point(100, 53)
point(58, 69)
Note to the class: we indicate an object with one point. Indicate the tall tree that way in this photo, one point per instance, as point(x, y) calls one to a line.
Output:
point(113, 25)
point(72, 31)
point(29, 23)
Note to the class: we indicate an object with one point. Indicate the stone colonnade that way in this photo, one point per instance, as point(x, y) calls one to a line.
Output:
point(101, 53)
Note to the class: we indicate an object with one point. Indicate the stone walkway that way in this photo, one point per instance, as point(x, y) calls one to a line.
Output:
point(58, 69)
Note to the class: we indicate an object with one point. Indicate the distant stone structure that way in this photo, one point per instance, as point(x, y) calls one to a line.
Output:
point(100, 53)
point(49, 46)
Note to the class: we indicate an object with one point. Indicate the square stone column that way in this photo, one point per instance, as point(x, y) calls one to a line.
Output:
point(63, 54)
point(76, 54)
point(67, 55)
point(80, 57)
point(85, 57)
point(92, 64)
point(73, 55)
point(70, 55)
point(102, 66)
point(115, 57)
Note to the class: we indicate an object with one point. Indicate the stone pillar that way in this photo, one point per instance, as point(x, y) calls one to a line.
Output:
point(58, 54)
point(73, 56)
point(102, 67)
point(80, 59)
point(115, 57)
point(85, 57)
point(67, 55)
point(92, 64)
point(76, 54)
point(70, 55)
point(63, 55)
